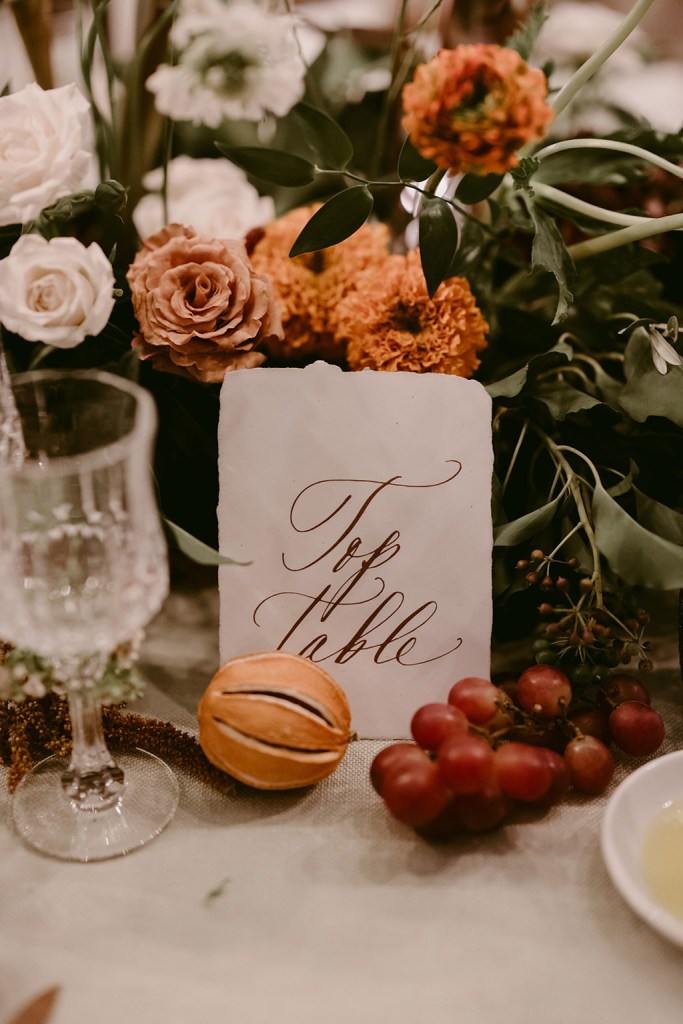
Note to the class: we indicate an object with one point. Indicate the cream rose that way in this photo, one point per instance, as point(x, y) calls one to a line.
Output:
point(43, 153)
point(56, 291)
point(201, 306)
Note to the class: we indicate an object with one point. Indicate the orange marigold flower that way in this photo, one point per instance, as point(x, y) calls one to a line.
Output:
point(309, 288)
point(470, 109)
point(391, 323)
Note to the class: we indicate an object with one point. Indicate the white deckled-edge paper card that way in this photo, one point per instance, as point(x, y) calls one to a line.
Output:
point(362, 503)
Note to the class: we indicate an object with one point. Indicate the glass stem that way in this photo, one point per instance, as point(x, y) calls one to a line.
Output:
point(93, 781)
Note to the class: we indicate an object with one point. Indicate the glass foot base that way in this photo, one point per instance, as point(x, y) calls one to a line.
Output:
point(47, 821)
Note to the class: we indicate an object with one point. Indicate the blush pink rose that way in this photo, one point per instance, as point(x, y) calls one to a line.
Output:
point(201, 307)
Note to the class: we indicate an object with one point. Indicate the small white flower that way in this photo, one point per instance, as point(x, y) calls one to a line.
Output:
point(212, 196)
point(56, 291)
point(664, 354)
point(43, 154)
point(237, 61)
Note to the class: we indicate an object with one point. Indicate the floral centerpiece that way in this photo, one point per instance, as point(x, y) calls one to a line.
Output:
point(276, 188)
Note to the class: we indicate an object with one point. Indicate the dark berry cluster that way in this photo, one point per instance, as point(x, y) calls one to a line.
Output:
point(584, 630)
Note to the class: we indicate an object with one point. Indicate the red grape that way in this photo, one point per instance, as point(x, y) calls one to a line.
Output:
point(414, 792)
point(446, 824)
point(397, 753)
point(478, 698)
point(481, 811)
point(465, 763)
point(622, 686)
point(636, 728)
point(590, 764)
point(543, 689)
point(591, 722)
point(560, 780)
point(432, 723)
point(523, 772)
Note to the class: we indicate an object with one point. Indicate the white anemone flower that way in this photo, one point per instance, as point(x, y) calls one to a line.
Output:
point(210, 195)
point(237, 61)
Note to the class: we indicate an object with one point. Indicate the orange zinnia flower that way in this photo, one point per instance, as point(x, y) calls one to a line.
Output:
point(390, 322)
point(310, 287)
point(470, 109)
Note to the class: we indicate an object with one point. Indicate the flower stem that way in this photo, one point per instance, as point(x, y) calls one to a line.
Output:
point(385, 114)
point(615, 146)
point(595, 62)
point(635, 233)
point(559, 198)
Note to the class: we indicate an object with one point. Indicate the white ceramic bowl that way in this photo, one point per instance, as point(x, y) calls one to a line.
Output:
point(630, 812)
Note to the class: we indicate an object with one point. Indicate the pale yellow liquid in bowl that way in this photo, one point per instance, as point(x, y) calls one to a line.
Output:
point(662, 858)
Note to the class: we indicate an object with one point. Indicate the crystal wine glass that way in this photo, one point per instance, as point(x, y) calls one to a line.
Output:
point(83, 566)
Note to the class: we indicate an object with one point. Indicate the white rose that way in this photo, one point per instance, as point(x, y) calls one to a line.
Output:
point(212, 196)
point(56, 291)
point(43, 153)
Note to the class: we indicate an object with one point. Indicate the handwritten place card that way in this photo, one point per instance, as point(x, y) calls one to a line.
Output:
point(363, 503)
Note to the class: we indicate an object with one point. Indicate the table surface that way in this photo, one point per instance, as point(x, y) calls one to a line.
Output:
point(315, 906)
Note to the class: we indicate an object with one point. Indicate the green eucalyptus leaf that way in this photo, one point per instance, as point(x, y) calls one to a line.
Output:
point(195, 549)
point(659, 518)
point(524, 38)
point(646, 391)
point(412, 166)
point(438, 241)
point(323, 136)
point(336, 220)
point(509, 387)
point(510, 534)
point(474, 188)
point(549, 252)
point(563, 399)
point(638, 555)
point(272, 165)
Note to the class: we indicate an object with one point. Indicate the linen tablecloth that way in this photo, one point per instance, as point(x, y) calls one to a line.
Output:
point(314, 906)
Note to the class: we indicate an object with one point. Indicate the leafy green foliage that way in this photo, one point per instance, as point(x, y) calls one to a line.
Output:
point(340, 216)
point(474, 188)
point(638, 555)
point(195, 549)
point(523, 173)
point(438, 241)
point(549, 252)
point(412, 166)
point(271, 165)
point(328, 142)
point(527, 526)
point(524, 38)
point(590, 167)
point(513, 385)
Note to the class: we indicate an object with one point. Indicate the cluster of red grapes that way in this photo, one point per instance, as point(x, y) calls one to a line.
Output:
point(528, 740)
